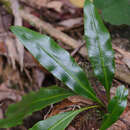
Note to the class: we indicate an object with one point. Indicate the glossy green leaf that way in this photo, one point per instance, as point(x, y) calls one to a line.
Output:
point(31, 103)
point(58, 122)
point(114, 12)
point(99, 46)
point(56, 60)
point(115, 107)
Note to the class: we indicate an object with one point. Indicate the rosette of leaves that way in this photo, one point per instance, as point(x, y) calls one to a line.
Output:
point(58, 62)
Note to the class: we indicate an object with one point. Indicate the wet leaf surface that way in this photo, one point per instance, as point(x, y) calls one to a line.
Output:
point(31, 103)
point(56, 60)
point(99, 46)
point(116, 107)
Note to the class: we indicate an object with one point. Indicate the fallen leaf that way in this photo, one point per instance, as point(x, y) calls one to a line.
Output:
point(56, 5)
point(36, 3)
point(61, 107)
point(71, 22)
point(125, 55)
point(38, 76)
point(17, 22)
point(3, 50)
point(71, 128)
point(11, 50)
point(79, 99)
point(78, 3)
point(6, 93)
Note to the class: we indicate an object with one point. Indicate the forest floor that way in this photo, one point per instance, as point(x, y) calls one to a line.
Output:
point(21, 74)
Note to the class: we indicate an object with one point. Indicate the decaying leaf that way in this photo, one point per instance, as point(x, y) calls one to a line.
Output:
point(11, 50)
point(56, 5)
point(6, 93)
point(78, 3)
point(125, 56)
point(17, 21)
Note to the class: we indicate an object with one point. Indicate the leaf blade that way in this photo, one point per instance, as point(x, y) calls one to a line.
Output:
point(58, 122)
point(56, 60)
point(99, 46)
point(116, 107)
point(114, 12)
point(31, 103)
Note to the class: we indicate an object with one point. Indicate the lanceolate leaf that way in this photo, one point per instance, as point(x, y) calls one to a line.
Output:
point(99, 46)
point(56, 60)
point(31, 103)
point(58, 122)
point(115, 107)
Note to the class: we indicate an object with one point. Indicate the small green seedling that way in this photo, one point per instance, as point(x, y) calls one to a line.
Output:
point(58, 62)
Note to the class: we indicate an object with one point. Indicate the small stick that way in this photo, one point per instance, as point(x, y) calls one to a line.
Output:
point(49, 29)
point(77, 49)
point(40, 24)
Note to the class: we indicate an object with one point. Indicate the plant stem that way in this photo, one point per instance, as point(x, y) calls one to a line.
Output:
point(108, 95)
point(100, 102)
point(86, 108)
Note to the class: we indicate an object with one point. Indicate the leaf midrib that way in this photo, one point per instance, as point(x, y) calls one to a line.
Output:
point(60, 95)
point(62, 66)
point(112, 113)
point(73, 113)
point(100, 52)
point(60, 121)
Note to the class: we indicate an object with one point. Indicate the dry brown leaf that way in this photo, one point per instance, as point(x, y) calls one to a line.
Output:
point(56, 5)
point(125, 55)
point(61, 107)
point(11, 50)
point(3, 50)
point(71, 128)
point(119, 125)
point(79, 99)
point(36, 3)
point(71, 22)
point(1, 25)
point(6, 93)
point(78, 3)
point(38, 76)
point(17, 21)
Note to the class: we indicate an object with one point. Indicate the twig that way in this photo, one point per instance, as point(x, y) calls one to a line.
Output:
point(18, 21)
point(77, 49)
point(48, 111)
point(40, 24)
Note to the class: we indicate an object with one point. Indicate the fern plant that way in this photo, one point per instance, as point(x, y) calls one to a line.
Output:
point(58, 62)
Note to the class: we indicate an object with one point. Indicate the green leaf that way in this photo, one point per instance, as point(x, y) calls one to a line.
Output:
point(31, 103)
point(116, 107)
point(114, 12)
point(99, 46)
point(58, 122)
point(56, 60)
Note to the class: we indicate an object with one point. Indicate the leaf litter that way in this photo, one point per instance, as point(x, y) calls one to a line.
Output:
point(12, 87)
